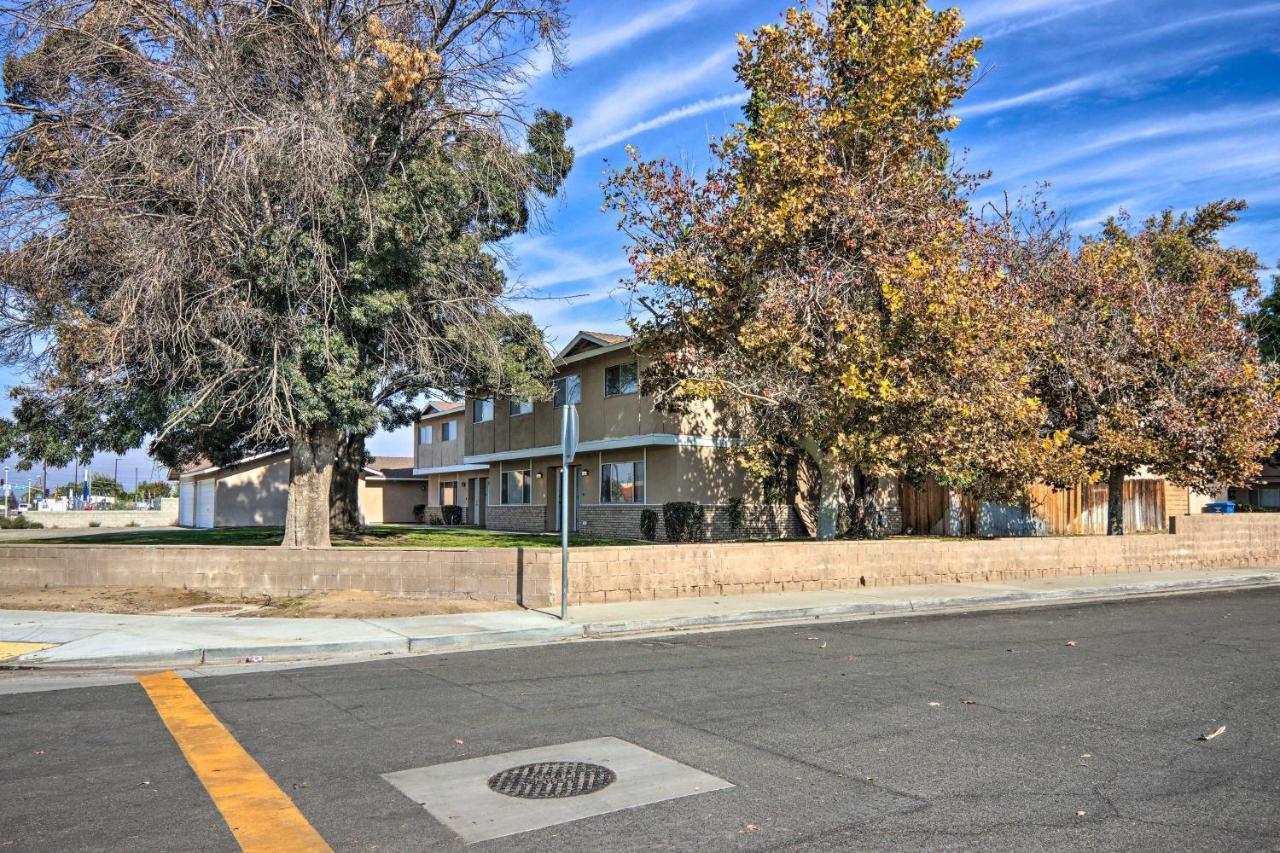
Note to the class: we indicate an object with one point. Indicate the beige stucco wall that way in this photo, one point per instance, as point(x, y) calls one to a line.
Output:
point(599, 417)
point(437, 454)
point(390, 501)
point(252, 495)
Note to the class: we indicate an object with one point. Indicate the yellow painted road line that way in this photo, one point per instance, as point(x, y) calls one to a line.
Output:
point(9, 651)
point(259, 814)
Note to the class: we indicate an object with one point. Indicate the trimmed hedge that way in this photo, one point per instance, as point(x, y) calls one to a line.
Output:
point(684, 521)
point(649, 524)
point(737, 514)
point(420, 513)
point(451, 514)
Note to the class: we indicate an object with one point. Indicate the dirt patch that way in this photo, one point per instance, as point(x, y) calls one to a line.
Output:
point(321, 605)
point(96, 599)
point(368, 605)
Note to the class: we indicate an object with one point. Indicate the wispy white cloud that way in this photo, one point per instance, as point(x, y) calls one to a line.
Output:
point(1005, 22)
point(1218, 16)
point(1020, 158)
point(670, 117)
point(585, 46)
point(591, 44)
point(643, 90)
point(1134, 75)
point(549, 267)
point(1044, 93)
point(1008, 15)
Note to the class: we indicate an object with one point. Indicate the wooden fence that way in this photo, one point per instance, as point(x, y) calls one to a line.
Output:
point(1081, 509)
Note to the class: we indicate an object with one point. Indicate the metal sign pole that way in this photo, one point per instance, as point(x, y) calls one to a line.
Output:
point(564, 539)
point(568, 448)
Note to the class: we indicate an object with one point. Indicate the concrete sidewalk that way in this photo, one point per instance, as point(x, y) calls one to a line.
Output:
point(104, 641)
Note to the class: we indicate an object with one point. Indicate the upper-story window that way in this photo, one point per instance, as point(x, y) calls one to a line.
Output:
point(621, 379)
point(567, 390)
point(521, 407)
point(424, 434)
point(448, 430)
point(482, 410)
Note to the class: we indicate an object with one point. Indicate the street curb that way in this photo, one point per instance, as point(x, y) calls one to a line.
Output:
point(296, 652)
point(486, 639)
point(851, 611)
point(345, 651)
point(304, 651)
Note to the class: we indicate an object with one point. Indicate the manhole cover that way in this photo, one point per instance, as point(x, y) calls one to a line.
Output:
point(551, 779)
point(217, 608)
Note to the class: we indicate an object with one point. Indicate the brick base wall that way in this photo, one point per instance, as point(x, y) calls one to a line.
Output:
point(524, 518)
point(622, 521)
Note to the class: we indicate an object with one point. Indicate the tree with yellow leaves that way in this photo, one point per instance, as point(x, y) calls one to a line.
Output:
point(1148, 362)
point(825, 280)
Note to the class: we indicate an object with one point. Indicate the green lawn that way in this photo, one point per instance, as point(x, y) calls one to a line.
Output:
point(375, 536)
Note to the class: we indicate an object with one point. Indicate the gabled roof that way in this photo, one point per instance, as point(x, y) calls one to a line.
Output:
point(200, 468)
point(440, 407)
point(586, 341)
point(392, 467)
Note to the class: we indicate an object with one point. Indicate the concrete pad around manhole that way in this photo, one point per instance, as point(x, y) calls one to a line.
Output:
point(458, 794)
point(12, 651)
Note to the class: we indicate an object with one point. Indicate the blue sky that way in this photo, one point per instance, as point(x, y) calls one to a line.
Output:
point(1140, 104)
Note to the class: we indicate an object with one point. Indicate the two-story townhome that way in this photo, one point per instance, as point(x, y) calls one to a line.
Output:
point(630, 456)
point(438, 456)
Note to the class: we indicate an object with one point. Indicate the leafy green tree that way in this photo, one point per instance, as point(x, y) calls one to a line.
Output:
point(148, 490)
point(1265, 323)
point(234, 227)
point(103, 486)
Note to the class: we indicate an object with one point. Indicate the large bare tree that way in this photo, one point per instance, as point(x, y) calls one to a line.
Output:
point(239, 224)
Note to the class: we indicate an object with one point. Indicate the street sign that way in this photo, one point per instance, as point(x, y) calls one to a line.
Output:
point(569, 433)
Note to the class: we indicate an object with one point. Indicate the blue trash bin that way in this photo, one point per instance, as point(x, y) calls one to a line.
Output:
point(1220, 507)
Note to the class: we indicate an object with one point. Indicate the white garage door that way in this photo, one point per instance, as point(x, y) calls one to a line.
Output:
point(204, 502)
point(186, 503)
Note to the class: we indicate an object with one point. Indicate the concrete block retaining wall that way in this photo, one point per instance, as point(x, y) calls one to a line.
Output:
point(166, 516)
point(532, 575)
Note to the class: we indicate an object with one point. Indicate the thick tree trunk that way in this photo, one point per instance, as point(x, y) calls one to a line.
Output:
point(311, 456)
point(1115, 502)
point(344, 492)
point(829, 499)
point(829, 491)
point(801, 479)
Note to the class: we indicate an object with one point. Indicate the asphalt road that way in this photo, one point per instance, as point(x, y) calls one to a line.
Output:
point(829, 733)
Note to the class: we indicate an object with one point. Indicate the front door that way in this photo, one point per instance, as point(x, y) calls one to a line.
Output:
point(479, 499)
point(554, 473)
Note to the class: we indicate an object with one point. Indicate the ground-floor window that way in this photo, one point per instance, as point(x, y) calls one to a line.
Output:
point(515, 487)
point(449, 493)
point(1269, 498)
point(622, 483)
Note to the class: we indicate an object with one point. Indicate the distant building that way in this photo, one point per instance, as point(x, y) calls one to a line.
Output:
point(254, 492)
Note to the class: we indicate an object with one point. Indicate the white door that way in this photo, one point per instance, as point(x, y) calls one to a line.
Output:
point(186, 503)
point(204, 502)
